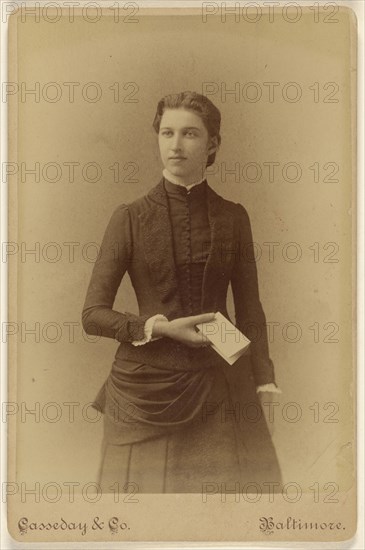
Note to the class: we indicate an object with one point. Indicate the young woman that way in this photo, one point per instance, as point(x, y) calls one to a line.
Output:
point(178, 418)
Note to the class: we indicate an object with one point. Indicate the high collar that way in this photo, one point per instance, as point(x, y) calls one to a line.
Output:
point(174, 190)
point(159, 196)
point(171, 178)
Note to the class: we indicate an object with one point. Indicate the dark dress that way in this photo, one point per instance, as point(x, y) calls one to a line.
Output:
point(176, 431)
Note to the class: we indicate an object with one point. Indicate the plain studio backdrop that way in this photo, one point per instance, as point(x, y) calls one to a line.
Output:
point(287, 131)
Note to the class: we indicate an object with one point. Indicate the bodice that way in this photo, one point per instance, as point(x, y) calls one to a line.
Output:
point(188, 212)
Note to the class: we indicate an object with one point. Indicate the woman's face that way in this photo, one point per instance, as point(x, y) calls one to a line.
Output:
point(184, 144)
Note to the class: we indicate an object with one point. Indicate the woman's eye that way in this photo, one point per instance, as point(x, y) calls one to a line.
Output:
point(190, 133)
point(166, 132)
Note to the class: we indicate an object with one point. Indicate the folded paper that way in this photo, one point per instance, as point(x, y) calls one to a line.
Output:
point(226, 339)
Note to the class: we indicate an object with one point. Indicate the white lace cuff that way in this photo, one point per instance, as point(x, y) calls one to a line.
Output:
point(269, 388)
point(148, 328)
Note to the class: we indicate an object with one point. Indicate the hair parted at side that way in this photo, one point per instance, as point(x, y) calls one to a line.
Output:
point(197, 103)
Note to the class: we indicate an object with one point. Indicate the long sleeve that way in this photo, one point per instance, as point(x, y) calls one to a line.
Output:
point(98, 316)
point(250, 317)
point(148, 329)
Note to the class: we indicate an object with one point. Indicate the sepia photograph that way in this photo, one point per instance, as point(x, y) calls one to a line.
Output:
point(181, 258)
point(171, 420)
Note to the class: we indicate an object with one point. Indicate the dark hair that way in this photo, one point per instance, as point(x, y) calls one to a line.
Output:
point(198, 103)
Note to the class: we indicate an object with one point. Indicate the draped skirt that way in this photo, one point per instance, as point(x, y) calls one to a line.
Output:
point(220, 450)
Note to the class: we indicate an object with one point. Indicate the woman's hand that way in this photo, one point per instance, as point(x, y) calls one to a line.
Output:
point(183, 329)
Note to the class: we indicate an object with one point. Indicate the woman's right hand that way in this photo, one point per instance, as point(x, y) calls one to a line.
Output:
point(183, 330)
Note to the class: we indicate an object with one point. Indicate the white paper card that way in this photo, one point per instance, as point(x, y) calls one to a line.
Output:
point(226, 339)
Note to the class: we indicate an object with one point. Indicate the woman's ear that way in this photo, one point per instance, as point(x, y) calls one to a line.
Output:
point(213, 145)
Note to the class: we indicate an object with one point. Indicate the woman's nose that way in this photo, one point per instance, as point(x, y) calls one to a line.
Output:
point(175, 143)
